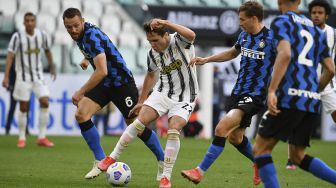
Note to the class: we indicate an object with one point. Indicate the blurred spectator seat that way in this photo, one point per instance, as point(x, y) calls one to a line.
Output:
point(172, 2)
point(46, 22)
point(235, 3)
point(151, 2)
point(92, 7)
point(129, 56)
point(71, 4)
point(50, 6)
point(110, 23)
point(28, 6)
point(142, 58)
point(91, 19)
point(128, 40)
point(62, 37)
point(194, 2)
point(8, 8)
point(215, 3)
point(7, 24)
point(18, 19)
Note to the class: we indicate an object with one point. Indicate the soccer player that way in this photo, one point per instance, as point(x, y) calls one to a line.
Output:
point(257, 49)
point(174, 93)
point(110, 81)
point(26, 46)
point(319, 12)
point(293, 98)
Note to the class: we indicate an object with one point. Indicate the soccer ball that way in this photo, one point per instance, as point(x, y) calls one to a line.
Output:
point(118, 174)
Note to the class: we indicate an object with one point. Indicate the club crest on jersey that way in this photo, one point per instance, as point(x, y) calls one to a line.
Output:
point(262, 43)
point(173, 66)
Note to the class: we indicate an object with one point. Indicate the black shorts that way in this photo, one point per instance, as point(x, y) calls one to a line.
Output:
point(124, 97)
point(290, 125)
point(251, 105)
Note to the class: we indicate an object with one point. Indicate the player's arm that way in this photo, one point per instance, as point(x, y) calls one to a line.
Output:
point(223, 56)
point(280, 67)
point(9, 63)
point(98, 75)
point(51, 64)
point(183, 31)
point(148, 84)
point(84, 64)
point(327, 73)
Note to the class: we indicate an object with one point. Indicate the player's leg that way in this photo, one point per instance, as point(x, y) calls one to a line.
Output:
point(262, 150)
point(298, 143)
point(241, 143)
point(226, 125)
point(290, 165)
point(22, 91)
point(10, 115)
point(86, 109)
point(329, 103)
point(147, 114)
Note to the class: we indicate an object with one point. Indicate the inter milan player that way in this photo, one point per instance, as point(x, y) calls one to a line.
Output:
point(110, 81)
point(257, 49)
point(293, 98)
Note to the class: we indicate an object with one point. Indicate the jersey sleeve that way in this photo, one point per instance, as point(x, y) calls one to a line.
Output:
point(151, 65)
point(93, 43)
point(14, 43)
point(237, 45)
point(280, 28)
point(182, 41)
point(325, 52)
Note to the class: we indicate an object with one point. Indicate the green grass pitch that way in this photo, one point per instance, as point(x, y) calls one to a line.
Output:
point(66, 164)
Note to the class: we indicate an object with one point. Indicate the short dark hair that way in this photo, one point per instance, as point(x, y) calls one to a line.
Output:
point(72, 12)
point(160, 31)
point(320, 3)
point(252, 8)
point(29, 14)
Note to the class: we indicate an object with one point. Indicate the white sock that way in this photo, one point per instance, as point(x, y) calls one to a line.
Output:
point(43, 122)
point(171, 151)
point(127, 137)
point(22, 121)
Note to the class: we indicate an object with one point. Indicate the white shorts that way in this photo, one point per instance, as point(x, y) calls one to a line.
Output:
point(23, 90)
point(163, 105)
point(329, 101)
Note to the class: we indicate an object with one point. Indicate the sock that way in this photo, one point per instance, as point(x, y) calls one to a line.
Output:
point(127, 137)
point(245, 148)
point(171, 151)
point(22, 121)
point(43, 122)
point(318, 168)
point(215, 149)
point(267, 171)
point(151, 140)
point(91, 136)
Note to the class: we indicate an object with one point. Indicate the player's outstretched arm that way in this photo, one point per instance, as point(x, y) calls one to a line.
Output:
point(84, 64)
point(327, 74)
point(51, 64)
point(182, 30)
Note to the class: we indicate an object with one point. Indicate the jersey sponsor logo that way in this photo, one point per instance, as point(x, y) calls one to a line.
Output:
point(33, 51)
point(173, 66)
point(303, 93)
point(252, 53)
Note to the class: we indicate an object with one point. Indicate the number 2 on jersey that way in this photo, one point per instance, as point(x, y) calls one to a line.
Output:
point(303, 55)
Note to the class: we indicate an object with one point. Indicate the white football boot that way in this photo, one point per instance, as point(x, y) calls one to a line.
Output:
point(94, 172)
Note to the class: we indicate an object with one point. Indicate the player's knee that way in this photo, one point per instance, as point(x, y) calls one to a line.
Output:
point(24, 107)
point(80, 116)
point(234, 139)
point(296, 157)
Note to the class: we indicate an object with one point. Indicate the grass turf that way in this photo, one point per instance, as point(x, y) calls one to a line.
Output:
point(66, 164)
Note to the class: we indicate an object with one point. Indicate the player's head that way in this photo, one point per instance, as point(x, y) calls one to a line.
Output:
point(287, 5)
point(73, 22)
point(158, 38)
point(319, 11)
point(251, 13)
point(29, 21)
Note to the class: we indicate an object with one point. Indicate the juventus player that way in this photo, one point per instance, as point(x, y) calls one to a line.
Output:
point(293, 98)
point(25, 47)
point(174, 93)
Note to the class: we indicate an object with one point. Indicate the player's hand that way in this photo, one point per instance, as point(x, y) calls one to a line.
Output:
point(53, 72)
point(76, 97)
point(198, 61)
point(157, 23)
point(272, 102)
point(84, 64)
point(5, 82)
point(135, 110)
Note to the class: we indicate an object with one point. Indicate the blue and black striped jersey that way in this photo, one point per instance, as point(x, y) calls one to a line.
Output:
point(299, 87)
point(257, 59)
point(95, 42)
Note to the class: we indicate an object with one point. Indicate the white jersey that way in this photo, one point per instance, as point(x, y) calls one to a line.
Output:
point(27, 50)
point(177, 80)
point(330, 35)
